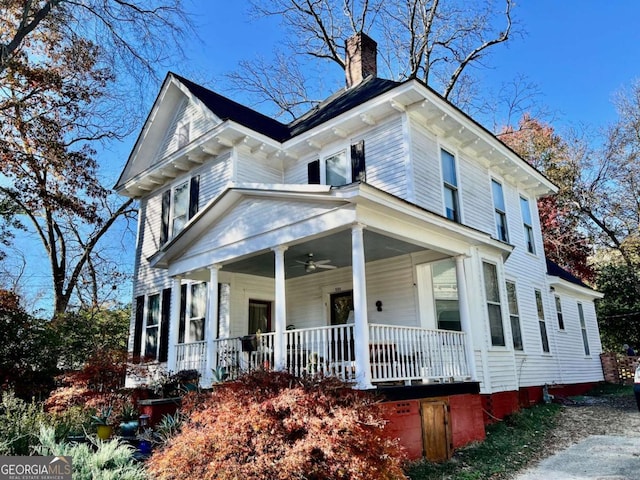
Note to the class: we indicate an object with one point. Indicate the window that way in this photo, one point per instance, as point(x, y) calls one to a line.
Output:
point(492, 293)
point(336, 171)
point(450, 186)
point(541, 321)
point(197, 310)
point(500, 211)
point(179, 205)
point(152, 326)
point(514, 316)
point(182, 134)
point(528, 225)
point(341, 168)
point(445, 294)
point(583, 327)
point(559, 313)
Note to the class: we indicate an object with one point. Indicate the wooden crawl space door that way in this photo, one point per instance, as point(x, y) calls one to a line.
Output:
point(436, 429)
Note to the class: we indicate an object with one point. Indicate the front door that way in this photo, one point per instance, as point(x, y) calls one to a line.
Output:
point(341, 307)
point(259, 316)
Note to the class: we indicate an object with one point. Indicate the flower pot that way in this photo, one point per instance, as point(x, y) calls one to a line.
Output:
point(128, 429)
point(145, 447)
point(105, 432)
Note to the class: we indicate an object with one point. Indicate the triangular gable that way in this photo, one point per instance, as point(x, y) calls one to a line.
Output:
point(241, 215)
point(174, 107)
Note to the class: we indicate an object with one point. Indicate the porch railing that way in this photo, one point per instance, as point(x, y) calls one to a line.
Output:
point(396, 353)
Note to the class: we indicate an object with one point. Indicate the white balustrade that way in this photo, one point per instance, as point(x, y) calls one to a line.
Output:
point(396, 354)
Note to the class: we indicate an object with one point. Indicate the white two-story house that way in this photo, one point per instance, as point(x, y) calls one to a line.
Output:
point(384, 237)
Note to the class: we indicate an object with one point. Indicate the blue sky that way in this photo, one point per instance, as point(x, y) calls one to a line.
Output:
point(579, 53)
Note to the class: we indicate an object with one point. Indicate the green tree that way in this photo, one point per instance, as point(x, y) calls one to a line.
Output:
point(28, 355)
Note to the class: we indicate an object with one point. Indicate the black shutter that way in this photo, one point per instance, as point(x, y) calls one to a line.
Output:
point(165, 315)
point(358, 169)
point(183, 312)
point(137, 331)
point(166, 206)
point(194, 192)
point(313, 172)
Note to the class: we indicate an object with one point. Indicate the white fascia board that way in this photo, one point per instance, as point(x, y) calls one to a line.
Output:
point(306, 229)
point(560, 283)
point(229, 197)
point(481, 132)
point(378, 198)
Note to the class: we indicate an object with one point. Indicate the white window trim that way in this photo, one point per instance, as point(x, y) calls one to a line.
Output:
point(515, 283)
point(561, 312)
point(584, 332)
point(456, 160)
point(506, 326)
point(495, 209)
point(143, 344)
point(188, 314)
point(525, 225)
point(544, 319)
point(172, 205)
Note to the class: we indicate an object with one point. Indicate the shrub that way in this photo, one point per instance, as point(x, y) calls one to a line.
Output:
point(274, 425)
point(102, 461)
point(19, 425)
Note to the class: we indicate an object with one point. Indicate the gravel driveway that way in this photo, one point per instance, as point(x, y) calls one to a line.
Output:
point(598, 437)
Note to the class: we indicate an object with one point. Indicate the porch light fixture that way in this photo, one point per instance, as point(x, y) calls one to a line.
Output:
point(379, 305)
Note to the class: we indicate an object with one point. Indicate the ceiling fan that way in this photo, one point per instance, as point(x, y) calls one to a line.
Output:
point(311, 265)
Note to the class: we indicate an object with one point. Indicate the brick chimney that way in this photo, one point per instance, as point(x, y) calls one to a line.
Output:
point(360, 62)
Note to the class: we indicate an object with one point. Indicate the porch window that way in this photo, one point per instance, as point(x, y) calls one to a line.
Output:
point(500, 211)
point(259, 316)
point(197, 311)
point(559, 312)
point(583, 327)
point(450, 186)
point(514, 316)
point(542, 322)
point(494, 309)
point(445, 294)
point(179, 205)
point(528, 225)
point(152, 326)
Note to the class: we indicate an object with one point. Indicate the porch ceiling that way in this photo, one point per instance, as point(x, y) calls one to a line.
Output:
point(335, 247)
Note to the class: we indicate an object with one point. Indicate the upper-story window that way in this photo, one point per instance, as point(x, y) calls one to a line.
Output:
point(528, 225)
point(450, 186)
point(339, 168)
point(179, 204)
point(182, 135)
point(500, 211)
point(494, 308)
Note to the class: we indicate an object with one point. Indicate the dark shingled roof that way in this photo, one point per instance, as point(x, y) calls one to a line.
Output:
point(556, 270)
point(229, 110)
point(338, 103)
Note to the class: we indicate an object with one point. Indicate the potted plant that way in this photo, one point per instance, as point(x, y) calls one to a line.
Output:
point(146, 439)
point(188, 380)
point(101, 421)
point(129, 420)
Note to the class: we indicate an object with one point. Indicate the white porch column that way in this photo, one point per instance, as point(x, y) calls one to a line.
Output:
point(465, 317)
point(361, 323)
point(279, 353)
point(174, 324)
point(211, 324)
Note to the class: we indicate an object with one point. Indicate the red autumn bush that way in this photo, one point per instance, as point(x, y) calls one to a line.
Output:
point(276, 426)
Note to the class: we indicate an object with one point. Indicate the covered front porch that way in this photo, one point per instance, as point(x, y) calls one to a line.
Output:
point(396, 354)
point(295, 254)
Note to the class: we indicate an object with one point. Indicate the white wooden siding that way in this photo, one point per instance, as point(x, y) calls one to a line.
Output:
point(475, 191)
point(252, 170)
point(426, 169)
point(385, 155)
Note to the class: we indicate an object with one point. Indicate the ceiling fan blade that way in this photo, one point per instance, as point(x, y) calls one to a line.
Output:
point(301, 262)
point(328, 267)
point(322, 262)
